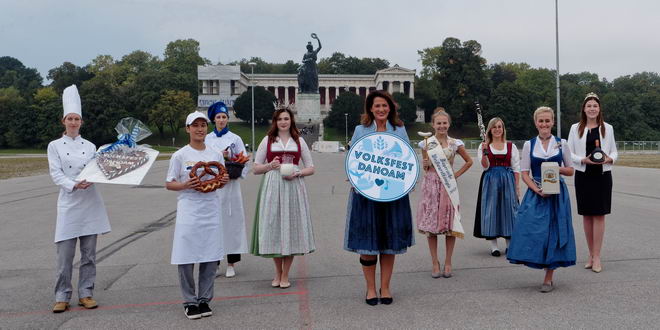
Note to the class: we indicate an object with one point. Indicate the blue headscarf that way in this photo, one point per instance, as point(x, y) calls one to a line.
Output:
point(214, 109)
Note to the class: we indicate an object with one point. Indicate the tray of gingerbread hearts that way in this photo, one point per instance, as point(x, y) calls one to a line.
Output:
point(124, 161)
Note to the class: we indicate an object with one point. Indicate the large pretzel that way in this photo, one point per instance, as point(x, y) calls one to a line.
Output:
point(212, 184)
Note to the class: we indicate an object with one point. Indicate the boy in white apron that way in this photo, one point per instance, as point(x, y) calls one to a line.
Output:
point(198, 229)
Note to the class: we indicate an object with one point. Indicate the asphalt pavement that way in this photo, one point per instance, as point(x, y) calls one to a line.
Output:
point(137, 288)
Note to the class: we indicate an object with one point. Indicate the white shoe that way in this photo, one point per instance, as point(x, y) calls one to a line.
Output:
point(230, 272)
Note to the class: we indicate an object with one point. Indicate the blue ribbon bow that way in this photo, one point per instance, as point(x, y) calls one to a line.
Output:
point(123, 139)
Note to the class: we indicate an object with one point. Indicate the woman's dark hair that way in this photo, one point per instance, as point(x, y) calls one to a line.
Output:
point(293, 130)
point(583, 116)
point(392, 116)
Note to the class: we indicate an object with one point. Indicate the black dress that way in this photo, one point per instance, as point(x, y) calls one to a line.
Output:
point(593, 187)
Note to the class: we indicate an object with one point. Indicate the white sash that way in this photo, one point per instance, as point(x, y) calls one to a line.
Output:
point(446, 174)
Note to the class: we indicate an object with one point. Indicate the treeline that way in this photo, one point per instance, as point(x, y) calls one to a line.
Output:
point(162, 91)
point(337, 63)
point(454, 75)
point(157, 91)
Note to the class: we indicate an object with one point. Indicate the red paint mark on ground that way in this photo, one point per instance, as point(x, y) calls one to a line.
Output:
point(303, 299)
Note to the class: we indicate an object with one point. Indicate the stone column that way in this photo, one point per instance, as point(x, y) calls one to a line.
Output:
point(412, 90)
point(327, 96)
point(286, 95)
point(389, 87)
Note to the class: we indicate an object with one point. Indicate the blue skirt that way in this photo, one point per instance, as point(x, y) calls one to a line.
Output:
point(499, 202)
point(543, 232)
point(374, 228)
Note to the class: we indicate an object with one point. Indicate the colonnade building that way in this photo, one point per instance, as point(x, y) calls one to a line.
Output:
point(226, 82)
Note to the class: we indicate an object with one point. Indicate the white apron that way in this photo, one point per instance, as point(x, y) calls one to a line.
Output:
point(198, 234)
point(198, 231)
point(80, 212)
point(231, 199)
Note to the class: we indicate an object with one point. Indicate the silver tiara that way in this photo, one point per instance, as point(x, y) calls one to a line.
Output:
point(592, 95)
point(281, 105)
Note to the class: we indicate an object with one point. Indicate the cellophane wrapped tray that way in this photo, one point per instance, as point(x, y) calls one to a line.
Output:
point(124, 161)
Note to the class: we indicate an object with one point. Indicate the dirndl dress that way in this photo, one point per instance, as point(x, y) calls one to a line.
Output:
point(497, 202)
point(374, 228)
point(435, 211)
point(282, 221)
point(543, 231)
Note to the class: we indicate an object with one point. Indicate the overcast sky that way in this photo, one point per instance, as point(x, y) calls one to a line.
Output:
point(610, 38)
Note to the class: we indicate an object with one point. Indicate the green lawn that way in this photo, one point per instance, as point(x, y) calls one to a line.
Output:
point(244, 130)
point(21, 151)
point(466, 132)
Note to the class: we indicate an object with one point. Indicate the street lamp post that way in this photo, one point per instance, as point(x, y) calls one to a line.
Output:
point(252, 64)
point(557, 56)
point(346, 128)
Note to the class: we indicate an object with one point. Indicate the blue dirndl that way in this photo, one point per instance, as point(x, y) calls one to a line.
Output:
point(543, 230)
point(499, 202)
point(374, 228)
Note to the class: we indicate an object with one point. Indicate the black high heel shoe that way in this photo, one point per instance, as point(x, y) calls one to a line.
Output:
point(371, 301)
point(386, 300)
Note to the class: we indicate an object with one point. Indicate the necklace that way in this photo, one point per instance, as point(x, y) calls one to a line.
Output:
point(543, 139)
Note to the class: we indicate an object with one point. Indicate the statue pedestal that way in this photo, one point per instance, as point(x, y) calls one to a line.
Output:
point(308, 108)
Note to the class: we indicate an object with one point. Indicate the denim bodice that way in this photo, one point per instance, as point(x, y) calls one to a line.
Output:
point(535, 162)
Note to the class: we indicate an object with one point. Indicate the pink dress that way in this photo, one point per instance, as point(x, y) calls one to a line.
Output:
point(435, 212)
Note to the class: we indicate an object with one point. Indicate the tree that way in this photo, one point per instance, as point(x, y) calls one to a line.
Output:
point(349, 103)
point(66, 75)
point(541, 83)
point(261, 66)
point(142, 82)
point(512, 103)
point(180, 62)
point(631, 105)
point(338, 63)
point(263, 105)
point(173, 107)
point(426, 95)
point(459, 71)
point(103, 106)
point(18, 119)
point(288, 67)
point(500, 74)
point(14, 74)
point(407, 107)
point(48, 109)
point(625, 114)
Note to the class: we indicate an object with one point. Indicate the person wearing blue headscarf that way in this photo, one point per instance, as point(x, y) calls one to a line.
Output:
point(233, 214)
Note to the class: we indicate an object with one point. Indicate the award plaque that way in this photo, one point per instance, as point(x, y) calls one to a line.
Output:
point(550, 178)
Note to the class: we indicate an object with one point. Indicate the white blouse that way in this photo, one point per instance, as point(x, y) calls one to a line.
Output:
point(515, 156)
point(539, 152)
point(450, 151)
point(277, 146)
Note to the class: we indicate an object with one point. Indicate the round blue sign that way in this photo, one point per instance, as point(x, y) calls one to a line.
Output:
point(382, 166)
